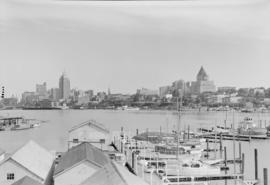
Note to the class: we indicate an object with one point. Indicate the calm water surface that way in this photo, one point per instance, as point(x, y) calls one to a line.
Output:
point(54, 133)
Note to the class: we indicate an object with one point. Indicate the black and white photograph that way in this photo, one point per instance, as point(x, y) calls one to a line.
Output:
point(134, 92)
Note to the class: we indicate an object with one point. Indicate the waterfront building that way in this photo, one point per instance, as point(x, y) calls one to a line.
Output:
point(29, 98)
point(119, 97)
point(64, 87)
point(244, 92)
point(203, 84)
point(55, 94)
point(44, 103)
point(114, 174)
point(164, 90)
point(217, 99)
point(85, 164)
point(30, 160)
point(82, 100)
point(235, 99)
point(9, 101)
point(83, 97)
point(89, 93)
point(101, 96)
point(26, 181)
point(78, 164)
point(226, 90)
point(259, 91)
point(179, 88)
point(41, 89)
point(90, 131)
point(147, 92)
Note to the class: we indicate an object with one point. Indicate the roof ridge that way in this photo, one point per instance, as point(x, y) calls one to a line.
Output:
point(90, 122)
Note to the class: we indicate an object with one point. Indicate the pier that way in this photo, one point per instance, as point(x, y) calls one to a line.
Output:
point(237, 137)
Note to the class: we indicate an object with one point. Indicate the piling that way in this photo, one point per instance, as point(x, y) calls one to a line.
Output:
point(225, 162)
point(147, 132)
point(225, 159)
point(220, 144)
point(265, 176)
point(137, 131)
point(188, 131)
point(207, 148)
point(256, 163)
point(240, 150)
point(243, 165)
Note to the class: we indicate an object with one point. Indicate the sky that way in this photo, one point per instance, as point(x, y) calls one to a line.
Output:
point(128, 45)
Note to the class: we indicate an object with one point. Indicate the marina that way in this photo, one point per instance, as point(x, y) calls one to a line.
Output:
point(155, 157)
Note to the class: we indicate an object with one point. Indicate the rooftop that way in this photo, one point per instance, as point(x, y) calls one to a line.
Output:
point(202, 75)
point(26, 181)
point(34, 158)
point(105, 176)
point(113, 174)
point(81, 152)
point(91, 123)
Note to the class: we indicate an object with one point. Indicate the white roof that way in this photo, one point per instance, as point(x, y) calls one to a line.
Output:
point(35, 158)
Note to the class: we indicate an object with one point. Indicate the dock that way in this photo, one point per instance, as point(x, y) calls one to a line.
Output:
point(237, 137)
point(201, 178)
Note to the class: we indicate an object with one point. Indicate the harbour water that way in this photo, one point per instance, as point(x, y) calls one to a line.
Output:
point(53, 133)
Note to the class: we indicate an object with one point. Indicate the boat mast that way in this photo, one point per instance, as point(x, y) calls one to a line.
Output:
point(178, 123)
point(177, 129)
point(234, 167)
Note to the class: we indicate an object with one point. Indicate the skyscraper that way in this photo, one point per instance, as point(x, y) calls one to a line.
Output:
point(64, 87)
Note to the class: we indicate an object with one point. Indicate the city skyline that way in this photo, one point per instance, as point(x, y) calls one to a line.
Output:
point(156, 45)
point(64, 83)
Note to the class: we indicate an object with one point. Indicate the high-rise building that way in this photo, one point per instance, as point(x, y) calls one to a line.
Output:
point(41, 89)
point(203, 84)
point(55, 94)
point(64, 87)
point(179, 88)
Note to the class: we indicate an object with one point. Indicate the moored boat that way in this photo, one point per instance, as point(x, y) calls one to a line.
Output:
point(191, 168)
point(248, 127)
point(17, 123)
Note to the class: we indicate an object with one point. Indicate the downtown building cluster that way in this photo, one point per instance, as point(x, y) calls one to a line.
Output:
point(201, 92)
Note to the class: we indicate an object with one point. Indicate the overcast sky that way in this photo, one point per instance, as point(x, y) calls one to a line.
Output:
point(129, 45)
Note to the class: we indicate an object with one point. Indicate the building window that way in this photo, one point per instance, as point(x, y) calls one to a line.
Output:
point(10, 176)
